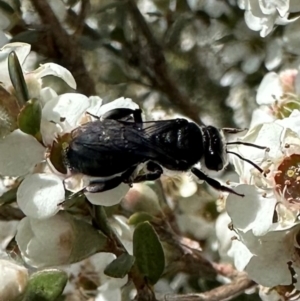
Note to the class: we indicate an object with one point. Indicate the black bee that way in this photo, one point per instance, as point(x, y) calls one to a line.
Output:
point(112, 148)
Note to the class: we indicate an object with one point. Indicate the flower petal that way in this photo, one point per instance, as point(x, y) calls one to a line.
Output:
point(7, 233)
point(119, 103)
point(292, 122)
point(110, 197)
point(13, 280)
point(56, 70)
point(269, 90)
point(45, 242)
point(69, 106)
point(240, 254)
point(19, 154)
point(253, 211)
point(39, 195)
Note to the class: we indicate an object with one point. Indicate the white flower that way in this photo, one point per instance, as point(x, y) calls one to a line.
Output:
point(264, 249)
point(20, 153)
point(58, 240)
point(262, 15)
point(281, 139)
point(106, 198)
point(34, 78)
point(124, 231)
point(266, 220)
point(40, 194)
point(277, 95)
point(7, 232)
point(224, 236)
point(92, 270)
point(13, 279)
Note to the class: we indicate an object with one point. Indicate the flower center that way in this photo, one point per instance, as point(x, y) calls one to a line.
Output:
point(287, 178)
point(284, 107)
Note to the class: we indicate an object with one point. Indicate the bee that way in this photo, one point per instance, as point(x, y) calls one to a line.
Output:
point(114, 146)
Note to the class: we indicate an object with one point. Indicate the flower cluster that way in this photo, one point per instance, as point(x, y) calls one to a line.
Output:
point(263, 15)
point(265, 222)
point(31, 162)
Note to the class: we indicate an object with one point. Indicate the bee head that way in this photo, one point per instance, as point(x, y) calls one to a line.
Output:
point(214, 148)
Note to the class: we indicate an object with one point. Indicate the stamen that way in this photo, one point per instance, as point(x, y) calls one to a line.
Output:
point(247, 144)
point(246, 160)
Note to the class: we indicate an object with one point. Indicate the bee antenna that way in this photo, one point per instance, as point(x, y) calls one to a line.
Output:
point(246, 160)
point(247, 144)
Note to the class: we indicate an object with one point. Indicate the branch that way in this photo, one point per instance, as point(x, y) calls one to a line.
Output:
point(224, 292)
point(67, 49)
point(163, 80)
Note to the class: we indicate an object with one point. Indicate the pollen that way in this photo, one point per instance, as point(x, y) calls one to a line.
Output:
point(287, 179)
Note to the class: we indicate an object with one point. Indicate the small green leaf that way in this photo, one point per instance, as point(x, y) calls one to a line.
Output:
point(17, 78)
point(88, 240)
point(9, 196)
point(29, 119)
point(5, 7)
point(46, 285)
point(148, 252)
point(30, 36)
point(120, 267)
point(139, 217)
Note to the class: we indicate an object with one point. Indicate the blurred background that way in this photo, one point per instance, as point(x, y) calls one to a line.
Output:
point(194, 58)
point(197, 58)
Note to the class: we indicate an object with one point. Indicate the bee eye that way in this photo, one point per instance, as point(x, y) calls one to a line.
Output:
point(214, 161)
point(214, 153)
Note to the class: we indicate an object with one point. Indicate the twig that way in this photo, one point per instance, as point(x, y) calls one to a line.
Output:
point(85, 5)
point(68, 51)
point(224, 292)
point(183, 258)
point(163, 79)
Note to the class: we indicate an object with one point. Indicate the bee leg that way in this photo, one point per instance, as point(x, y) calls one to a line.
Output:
point(212, 182)
point(123, 113)
point(100, 185)
point(155, 171)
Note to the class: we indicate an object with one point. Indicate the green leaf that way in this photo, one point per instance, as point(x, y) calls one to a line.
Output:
point(29, 119)
point(9, 196)
point(30, 36)
point(46, 285)
point(139, 217)
point(17, 78)
point(148, 252)
point(88, 240)
point(120, 267)
point(6, 8)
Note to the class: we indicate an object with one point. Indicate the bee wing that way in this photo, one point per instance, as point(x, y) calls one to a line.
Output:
point(146, 138)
